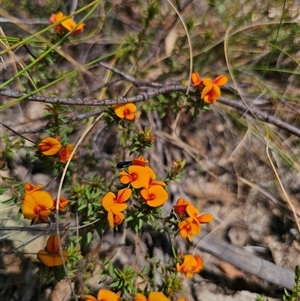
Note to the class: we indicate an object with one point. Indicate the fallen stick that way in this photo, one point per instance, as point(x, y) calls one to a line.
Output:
point(246, 261)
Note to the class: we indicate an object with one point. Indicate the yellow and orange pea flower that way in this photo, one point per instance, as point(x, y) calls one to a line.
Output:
point(49, 146)
point(51, 256)
point(30, 188)
point(104, 295)
point(65, 153)
point(115, 218)
point(126, 111)
point(136, 176)
point(190, 265)
point(114, 205)
point(185, 208)
point(154, 296)
point(140, 161)
point(111, 201)
point(154, 196)
point(212, 92)
point(180, 206)
point(67, 25)
point(37, 205)
point(202, 218)
point(196, 81)
point(63, 202)
point(188, 228)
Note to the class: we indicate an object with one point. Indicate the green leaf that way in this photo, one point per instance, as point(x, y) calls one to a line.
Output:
point(89, 237)
point(82, 207)
point(3, 189)
point(10, 201)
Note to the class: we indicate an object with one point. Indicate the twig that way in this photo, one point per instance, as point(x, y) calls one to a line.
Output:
point(131, 79)
point(255, 112)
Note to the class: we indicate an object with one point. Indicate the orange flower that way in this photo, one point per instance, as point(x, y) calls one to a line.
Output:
point(157, 296)
point(194, 212)
point(37, 205)
point(141, 161)
point(154, 296)
point(139, 297)
point(114, 205)
point(182, 299)
point(200, 264)
point(49, 146)
point(204, 218)
point(126, 111)
point(190, 265)
point(66, 25)
point(112, 202)
point(51, 256)
point(106, 295)
point(189, 227)
point(115, 218)
point(137, 176)
point(196, 81)
point(180, 206)
point(65, 153)
point(212, 92)
point(30, 188)
point(155, 195)
point(90, 298)
point(63, 202)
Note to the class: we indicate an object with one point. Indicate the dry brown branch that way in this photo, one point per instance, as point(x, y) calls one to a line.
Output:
point(255, 112)
point(246, 261)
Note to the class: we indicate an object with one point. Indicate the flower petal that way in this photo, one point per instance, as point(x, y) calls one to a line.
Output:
point(45, 258)
point(49, 146)
point(139, 297)
point(108, 200)
point(157, 296)
point(106, 295)
point(52, 244)
point(221, 80)
point(195, 78)
point(205, 218)
point(90, 298)
point(123, 195)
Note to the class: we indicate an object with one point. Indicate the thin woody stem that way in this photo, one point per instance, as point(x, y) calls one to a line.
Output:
point(255, 112)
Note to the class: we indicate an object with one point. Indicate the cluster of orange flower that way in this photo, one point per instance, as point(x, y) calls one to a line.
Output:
point(190, 218)
point(210, 89)
point(66, 24)
point(107, 295)
point(39, 204)
point(51, 146)
point(189, 226)
point(137, 176)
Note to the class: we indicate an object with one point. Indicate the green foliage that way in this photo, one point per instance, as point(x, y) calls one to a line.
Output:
point(261, 298)
point(124, 280)
point(140, 215)
point(295, 295)
point(140, 141)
